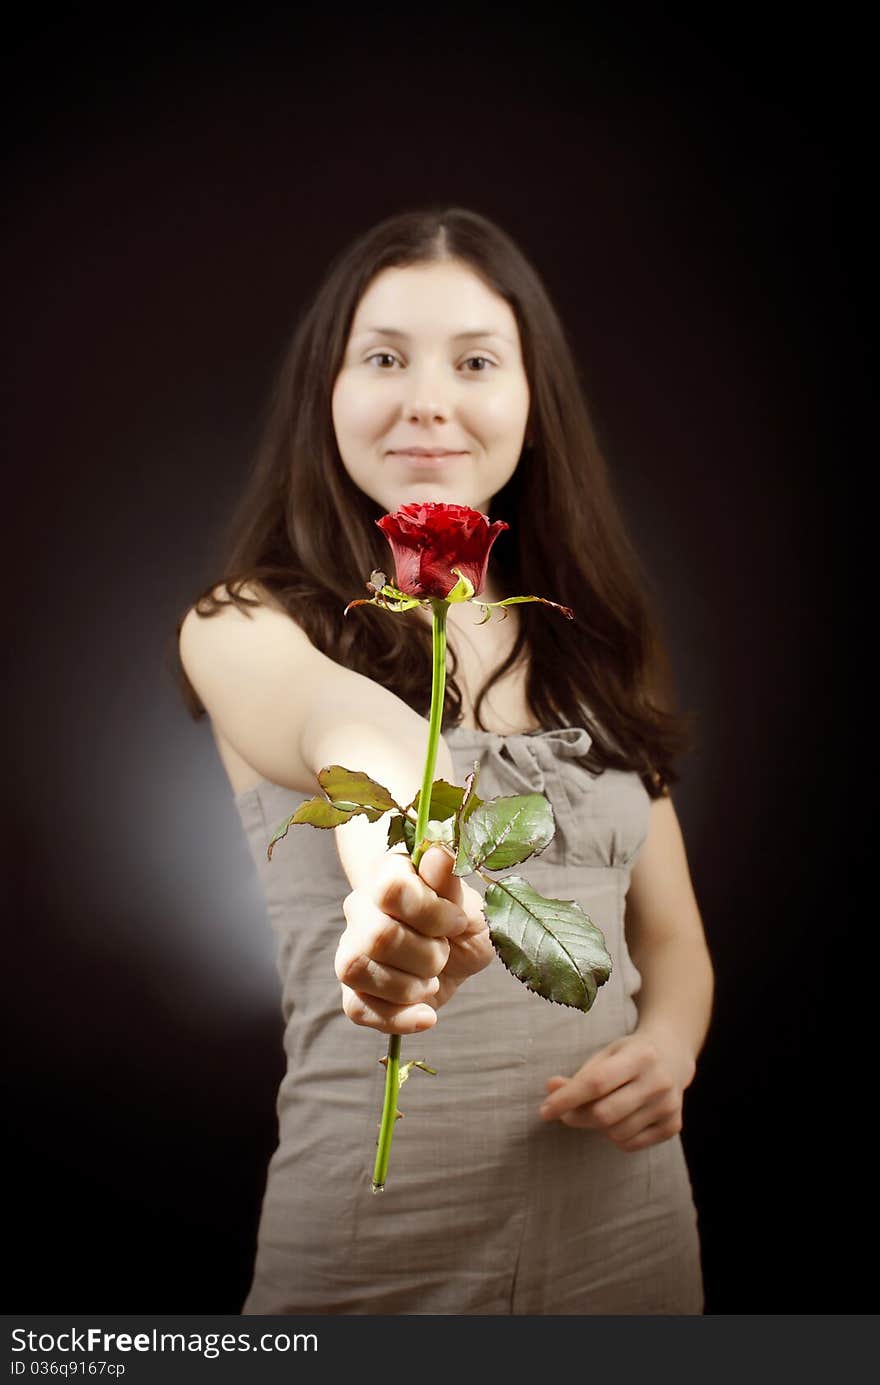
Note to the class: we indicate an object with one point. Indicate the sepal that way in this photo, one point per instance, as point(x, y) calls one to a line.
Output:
point(462, 591)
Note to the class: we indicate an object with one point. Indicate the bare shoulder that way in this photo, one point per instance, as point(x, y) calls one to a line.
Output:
point(202, 635)
point(252, 591)
point(255, 591)
point(255, 672)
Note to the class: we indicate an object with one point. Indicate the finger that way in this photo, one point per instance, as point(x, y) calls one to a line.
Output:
point(401, 893)
point(374, 936)
point(436, 869)
point(371, 978)
point(594, 1115)
point(469, 955)
point(554, 1083)
point(622, 1114)
point(373, 1013)
point(653, 1134)
point(650, 1112)
point(622, 1105)
point(603, 1074)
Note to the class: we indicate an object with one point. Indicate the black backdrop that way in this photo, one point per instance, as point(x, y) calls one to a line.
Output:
point(173, 195)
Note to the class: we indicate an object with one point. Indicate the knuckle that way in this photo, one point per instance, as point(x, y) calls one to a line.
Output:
point(454, 919)
point(341, 958)
point(353, 1006)
point(416, 991)
point(397, 896)
point(384, 934)
point(353, 969)
point(439, 955)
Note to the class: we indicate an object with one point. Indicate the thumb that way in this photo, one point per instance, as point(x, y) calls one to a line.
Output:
point(435, 868)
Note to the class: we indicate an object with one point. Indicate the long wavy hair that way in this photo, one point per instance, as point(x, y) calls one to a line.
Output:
point(305, 532)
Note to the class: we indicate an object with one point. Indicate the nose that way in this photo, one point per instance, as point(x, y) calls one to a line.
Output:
point(426, 397)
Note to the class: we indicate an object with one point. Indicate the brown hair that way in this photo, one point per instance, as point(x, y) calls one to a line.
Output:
point(305, 532)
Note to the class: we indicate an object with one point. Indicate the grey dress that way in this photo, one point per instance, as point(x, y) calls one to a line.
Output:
point(487, 1208)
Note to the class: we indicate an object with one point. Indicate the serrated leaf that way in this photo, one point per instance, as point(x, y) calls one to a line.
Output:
point(320, 812)
point(504, 831)
point(470, 799)
point(395, 829)
point(551, 945)
point(349, 792)
point(469, 803)
point(354, 786)
point(445, 800)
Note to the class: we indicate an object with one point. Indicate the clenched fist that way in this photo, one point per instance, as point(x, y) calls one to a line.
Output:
point(411, 939)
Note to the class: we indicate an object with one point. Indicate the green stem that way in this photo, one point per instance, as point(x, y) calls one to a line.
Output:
point(392, 1063)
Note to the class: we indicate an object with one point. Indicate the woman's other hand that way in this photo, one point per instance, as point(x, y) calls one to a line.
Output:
point(632, 1090)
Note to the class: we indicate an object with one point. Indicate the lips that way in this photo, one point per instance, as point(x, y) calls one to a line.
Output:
point(427, 457)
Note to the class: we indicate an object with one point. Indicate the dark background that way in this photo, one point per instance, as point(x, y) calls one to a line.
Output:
point(174, 194)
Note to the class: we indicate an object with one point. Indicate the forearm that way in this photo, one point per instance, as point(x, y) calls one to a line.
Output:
point(394, 759)
point(360, 845)
point(677, 991)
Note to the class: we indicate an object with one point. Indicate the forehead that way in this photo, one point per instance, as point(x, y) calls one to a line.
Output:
point(437, 300)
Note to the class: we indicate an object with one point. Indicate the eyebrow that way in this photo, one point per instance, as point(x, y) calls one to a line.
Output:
point(459, 336)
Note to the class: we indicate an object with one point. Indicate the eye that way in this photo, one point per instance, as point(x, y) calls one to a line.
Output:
point(387, 355)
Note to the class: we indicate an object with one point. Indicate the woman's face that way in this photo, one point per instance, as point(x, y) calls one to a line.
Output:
point(433, 361)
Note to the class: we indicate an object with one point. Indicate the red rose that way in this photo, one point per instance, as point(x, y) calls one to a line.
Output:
point(429, 539)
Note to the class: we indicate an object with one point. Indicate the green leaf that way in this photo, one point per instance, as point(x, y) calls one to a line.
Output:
point(318, 812)
point(504, 831)
point(445, 800)
point(470, 800)
point(550, 945)
point(349, 791)
point(396, 830)
point(352, 786)
point(469, 804)
point(402, 829)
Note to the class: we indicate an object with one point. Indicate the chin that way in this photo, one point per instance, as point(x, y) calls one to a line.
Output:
point(423, 492)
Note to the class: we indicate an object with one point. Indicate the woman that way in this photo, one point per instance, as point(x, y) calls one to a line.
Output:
point(540, 1171)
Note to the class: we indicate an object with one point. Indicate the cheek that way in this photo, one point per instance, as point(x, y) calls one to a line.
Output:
point(504, 411)
point(356, 409)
